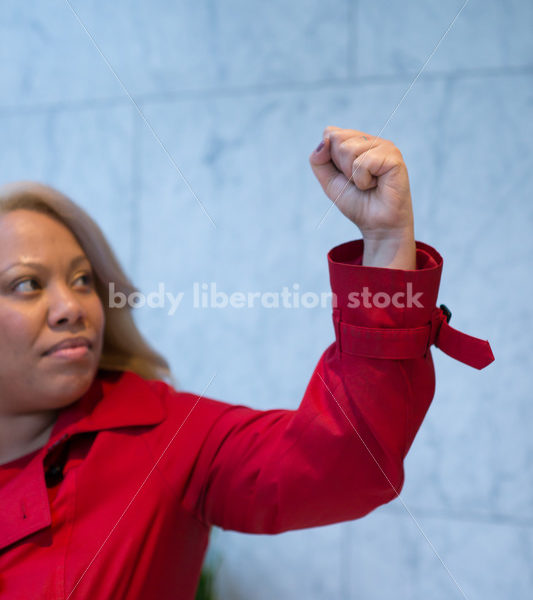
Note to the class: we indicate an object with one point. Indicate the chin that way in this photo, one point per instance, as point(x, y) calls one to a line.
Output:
point(71, 385)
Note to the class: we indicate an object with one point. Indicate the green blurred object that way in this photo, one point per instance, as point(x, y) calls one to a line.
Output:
point(210, 568)
point(205, 585)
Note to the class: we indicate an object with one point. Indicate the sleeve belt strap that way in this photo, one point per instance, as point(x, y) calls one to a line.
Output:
point(414, 342)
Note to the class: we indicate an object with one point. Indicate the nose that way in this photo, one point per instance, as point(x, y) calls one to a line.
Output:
point(65, 306)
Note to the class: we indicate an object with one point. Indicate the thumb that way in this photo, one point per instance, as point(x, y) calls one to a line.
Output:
point(323, 168)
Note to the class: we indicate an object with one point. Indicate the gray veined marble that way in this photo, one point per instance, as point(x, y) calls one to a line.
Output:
point(238, 93)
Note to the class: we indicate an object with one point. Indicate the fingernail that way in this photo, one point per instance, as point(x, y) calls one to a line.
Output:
point(320, 146)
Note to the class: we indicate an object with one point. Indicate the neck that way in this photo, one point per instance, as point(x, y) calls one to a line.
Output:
point(21, 434)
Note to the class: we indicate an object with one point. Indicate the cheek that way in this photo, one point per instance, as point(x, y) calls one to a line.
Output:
point(98, 316)
point(18, 331)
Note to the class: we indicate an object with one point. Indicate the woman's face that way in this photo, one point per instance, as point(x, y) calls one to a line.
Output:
point(41, 305)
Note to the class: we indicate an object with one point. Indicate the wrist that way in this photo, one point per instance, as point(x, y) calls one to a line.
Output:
point(390, 251)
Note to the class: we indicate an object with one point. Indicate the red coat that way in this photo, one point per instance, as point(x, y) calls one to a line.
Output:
point(137, 472)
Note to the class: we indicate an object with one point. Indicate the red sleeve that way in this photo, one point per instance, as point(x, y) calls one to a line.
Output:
point(340, 454)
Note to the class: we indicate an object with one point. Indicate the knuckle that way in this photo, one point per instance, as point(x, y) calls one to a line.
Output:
point(393, 149)
point(345, 145)
point(397, 157)
point(365, 156)
point(391, 153)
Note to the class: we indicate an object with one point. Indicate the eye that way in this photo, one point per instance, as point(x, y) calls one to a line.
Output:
point(88, 278)
point(16, 286)
point(87, 281)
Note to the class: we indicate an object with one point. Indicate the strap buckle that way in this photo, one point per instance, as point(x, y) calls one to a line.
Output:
point(447, 312)
point(438, 317)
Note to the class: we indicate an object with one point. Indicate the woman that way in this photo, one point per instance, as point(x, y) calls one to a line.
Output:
point(110, 477)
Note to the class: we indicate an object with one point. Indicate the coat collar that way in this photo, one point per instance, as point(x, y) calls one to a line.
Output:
point(115, 399)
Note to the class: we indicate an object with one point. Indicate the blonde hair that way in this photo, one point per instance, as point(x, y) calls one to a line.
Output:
point(124, 347)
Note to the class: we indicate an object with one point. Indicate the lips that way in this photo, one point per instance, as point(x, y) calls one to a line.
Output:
point(69, 343)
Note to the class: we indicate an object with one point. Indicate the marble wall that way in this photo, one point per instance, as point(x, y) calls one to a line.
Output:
point(162, 118)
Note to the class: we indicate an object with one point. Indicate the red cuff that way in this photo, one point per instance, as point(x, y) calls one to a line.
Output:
point(392, 313)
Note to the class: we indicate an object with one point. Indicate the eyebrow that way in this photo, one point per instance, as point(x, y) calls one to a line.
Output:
point(74, 262)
